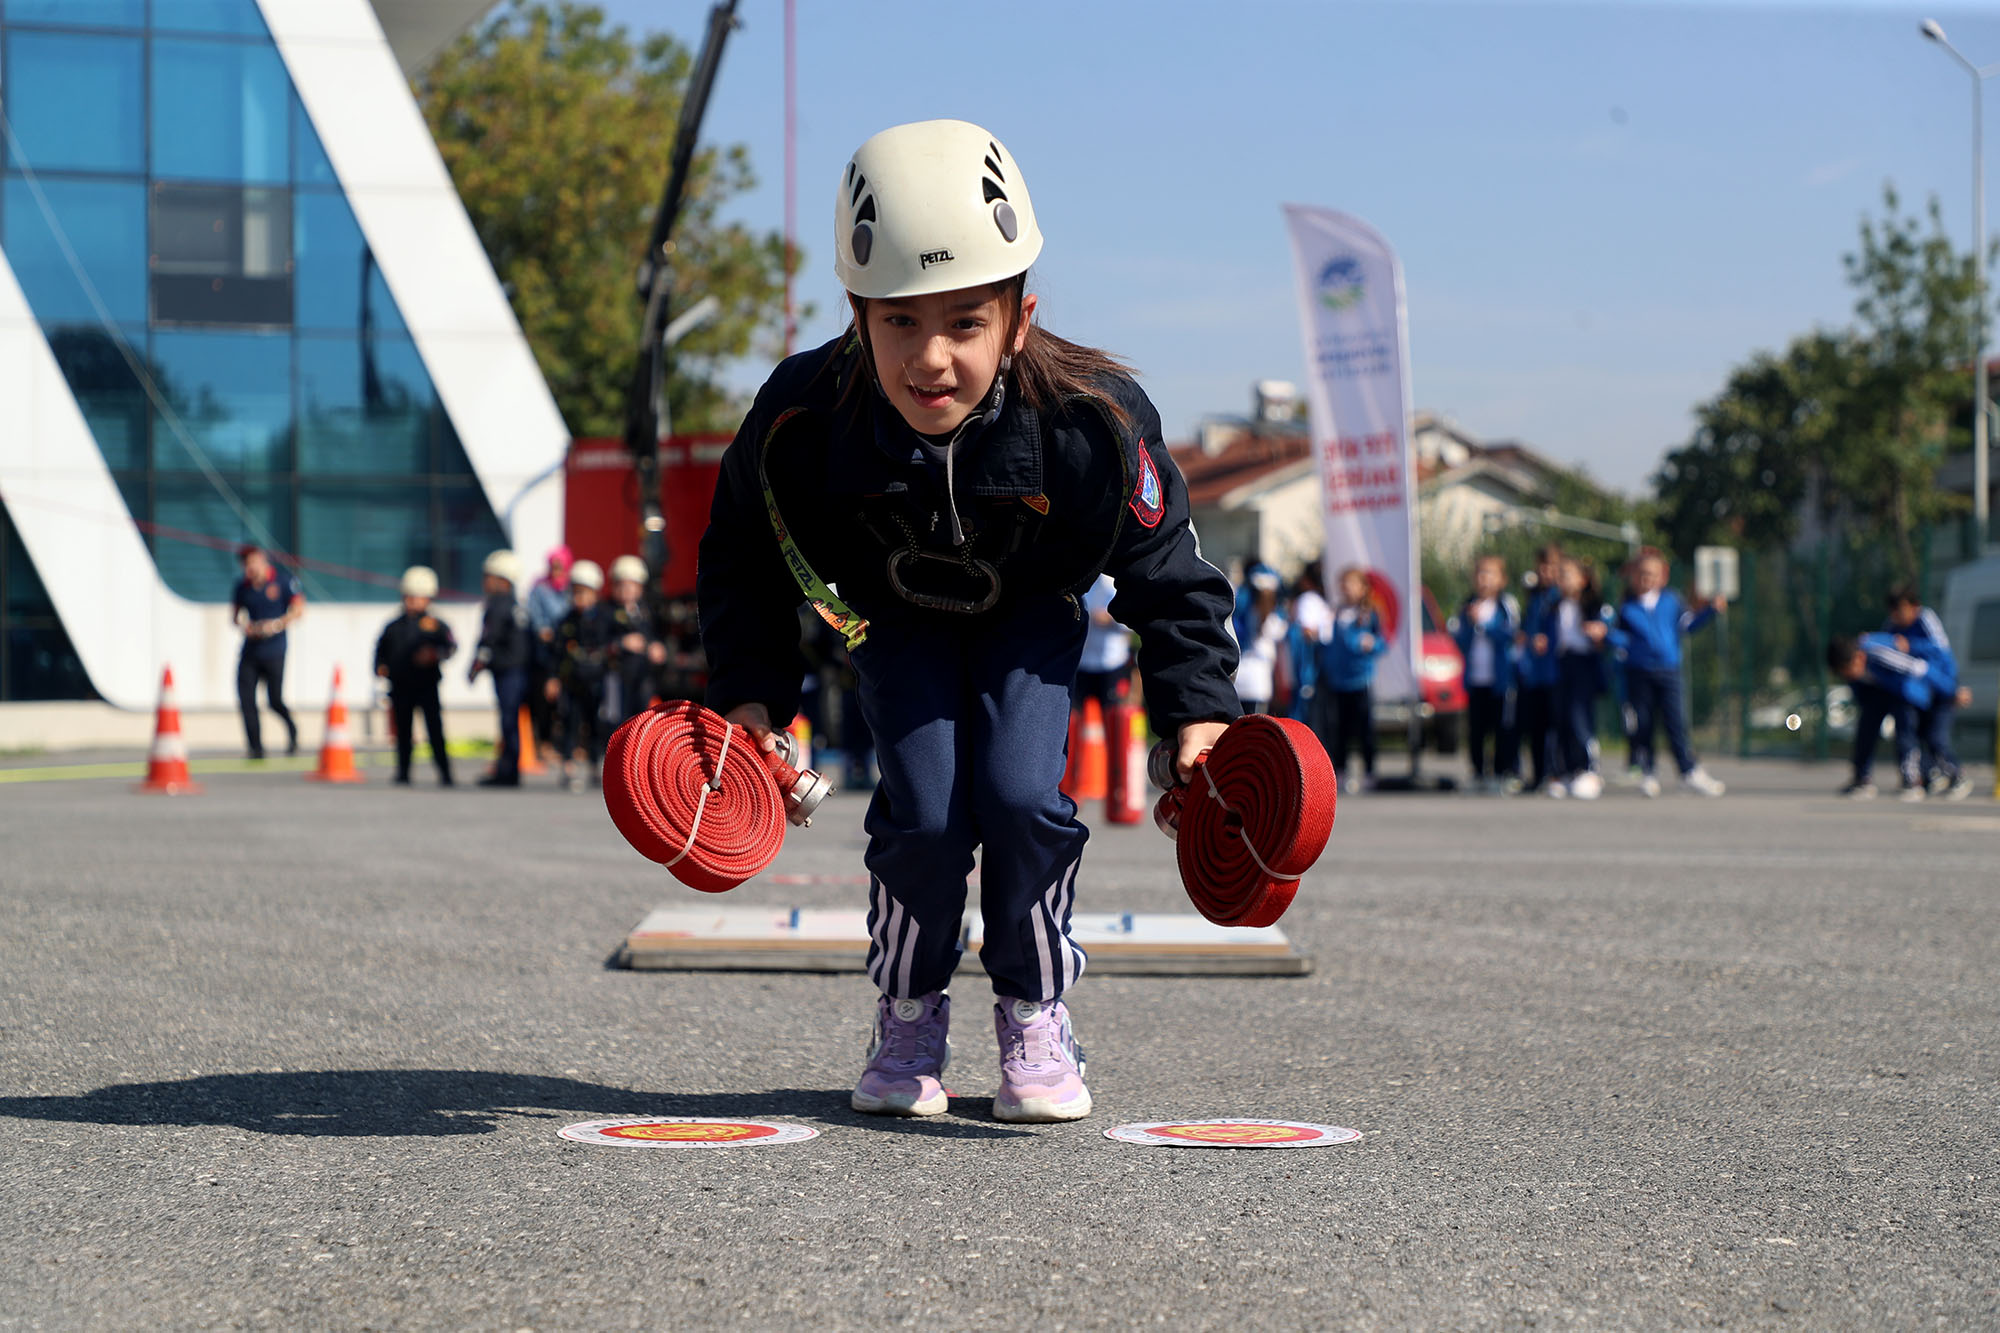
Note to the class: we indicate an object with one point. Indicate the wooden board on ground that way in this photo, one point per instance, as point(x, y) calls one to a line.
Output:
point(758, 939)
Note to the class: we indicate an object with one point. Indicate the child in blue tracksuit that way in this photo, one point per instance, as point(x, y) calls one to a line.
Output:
point(1485, 630)
point(1918, 629)
point(1646, 633)
point(1571, 631)
point(1535, 678)
point(1889, 682)
point(1347, 670)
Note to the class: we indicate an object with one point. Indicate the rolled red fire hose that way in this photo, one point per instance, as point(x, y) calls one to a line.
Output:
point(695, 794)
point(1253, 820)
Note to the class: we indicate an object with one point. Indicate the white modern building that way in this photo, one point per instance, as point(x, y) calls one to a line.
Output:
point(240, 302)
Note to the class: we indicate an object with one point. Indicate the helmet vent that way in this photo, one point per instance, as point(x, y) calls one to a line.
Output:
point(1004, 219)
point(867, 211)
point(860, 184)
point(994, 167)
point(862, 243)
point(991, 190)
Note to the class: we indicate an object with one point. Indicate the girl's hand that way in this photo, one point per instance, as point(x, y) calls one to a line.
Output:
point(755, 719)
point(1541, 644)
point(552, 689)
point(1368, 643)
point(1196, 739)
point(1594, 630)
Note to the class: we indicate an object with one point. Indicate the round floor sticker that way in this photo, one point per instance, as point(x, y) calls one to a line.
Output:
point(1231, 1134)
point(674, 1131)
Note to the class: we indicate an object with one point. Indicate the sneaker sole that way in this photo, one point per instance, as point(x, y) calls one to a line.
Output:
point(1041, 1110)
point(904, 1106)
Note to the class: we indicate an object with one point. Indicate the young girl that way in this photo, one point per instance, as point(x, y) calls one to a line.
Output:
point(1571, 631)
point(1485, 630)
point(1264, 647)
point(961, 476)
point(1348, 671)
point(1647, 634)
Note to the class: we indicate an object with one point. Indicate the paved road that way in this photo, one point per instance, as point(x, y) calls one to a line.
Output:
point(284, 1056)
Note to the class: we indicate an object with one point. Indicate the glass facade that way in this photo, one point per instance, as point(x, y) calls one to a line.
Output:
point(184, 243)
point(36, 659)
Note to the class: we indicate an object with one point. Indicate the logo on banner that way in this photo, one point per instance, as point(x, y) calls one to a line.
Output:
point(1387, 605)
point(1149, 499)
point(1340, 283)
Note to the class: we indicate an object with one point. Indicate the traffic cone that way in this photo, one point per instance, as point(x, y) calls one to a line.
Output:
point(1087, 778)
point(167, 767)
point(336, 752)
point(531, 749)
point(1125, 802)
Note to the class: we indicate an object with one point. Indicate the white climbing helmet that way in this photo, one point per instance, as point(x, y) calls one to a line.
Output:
point(931, 207)
point(503, 564)
point(587, 574)
point(626, 569)
point(420, 581)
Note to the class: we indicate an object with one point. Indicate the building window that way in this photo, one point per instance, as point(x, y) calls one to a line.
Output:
point(222, 254)
point(36, 659)
point(77, 13)
point(74, 101)
point(221, 111)
point(104, 225)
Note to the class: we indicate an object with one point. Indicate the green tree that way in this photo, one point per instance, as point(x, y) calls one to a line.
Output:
point(1853, 423)
point(557, 130)
point(1918, 298)
point(1759, 448)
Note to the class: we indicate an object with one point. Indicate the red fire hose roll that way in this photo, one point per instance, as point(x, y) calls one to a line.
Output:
point(695, 794)
point(1253, 820)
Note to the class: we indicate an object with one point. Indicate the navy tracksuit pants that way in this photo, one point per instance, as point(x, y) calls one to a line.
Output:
point(971, 724)
point(1579, 677)
point(1655, 697)
point(1872, 704)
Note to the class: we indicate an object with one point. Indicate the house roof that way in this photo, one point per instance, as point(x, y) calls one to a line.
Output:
point(1253, 460)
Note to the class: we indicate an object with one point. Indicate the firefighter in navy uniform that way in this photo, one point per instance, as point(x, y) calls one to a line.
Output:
point(581, 648)
point(410, 655)
point(639, 653)
point(505, 644)
point(265, 603)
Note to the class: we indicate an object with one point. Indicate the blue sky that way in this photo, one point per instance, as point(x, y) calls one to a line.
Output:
point(1599, 207)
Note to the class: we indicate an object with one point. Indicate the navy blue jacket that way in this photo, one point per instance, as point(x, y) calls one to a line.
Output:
point(1906, 676)
point(1651, 640)
point(1052, 497)
point(1538, 670)
point(1500, 630)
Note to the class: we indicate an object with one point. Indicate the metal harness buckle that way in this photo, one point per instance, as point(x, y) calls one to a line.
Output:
point(931, 601)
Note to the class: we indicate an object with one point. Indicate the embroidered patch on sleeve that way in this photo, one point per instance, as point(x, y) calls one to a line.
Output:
point(1149, 498)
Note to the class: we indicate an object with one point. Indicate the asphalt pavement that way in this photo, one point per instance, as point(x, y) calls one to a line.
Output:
point(288, 1056)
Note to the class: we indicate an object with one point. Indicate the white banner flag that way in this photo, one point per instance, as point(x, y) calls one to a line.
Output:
point(1358, 386)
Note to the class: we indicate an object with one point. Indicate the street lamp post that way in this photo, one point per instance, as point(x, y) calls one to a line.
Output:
point(1980, 482)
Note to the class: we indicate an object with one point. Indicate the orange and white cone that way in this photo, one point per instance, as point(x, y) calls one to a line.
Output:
point(336, 752)
point(1088, 778)
point(167, 767)
point(1125, 801)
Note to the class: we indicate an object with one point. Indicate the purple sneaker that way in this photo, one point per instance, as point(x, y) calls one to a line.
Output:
point(1041, 1066)
point(908, 1059)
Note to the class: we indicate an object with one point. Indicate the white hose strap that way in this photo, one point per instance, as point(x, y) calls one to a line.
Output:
point(714, 785)
point(1216, 792)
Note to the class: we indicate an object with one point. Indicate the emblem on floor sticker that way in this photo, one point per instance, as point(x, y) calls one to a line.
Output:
point(1231, 1134)
point(675, 1131)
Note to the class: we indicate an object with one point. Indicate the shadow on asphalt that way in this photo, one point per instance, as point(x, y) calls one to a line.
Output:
point(436, 1102)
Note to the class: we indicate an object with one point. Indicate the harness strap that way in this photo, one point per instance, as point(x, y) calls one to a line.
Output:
point(830, 608)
